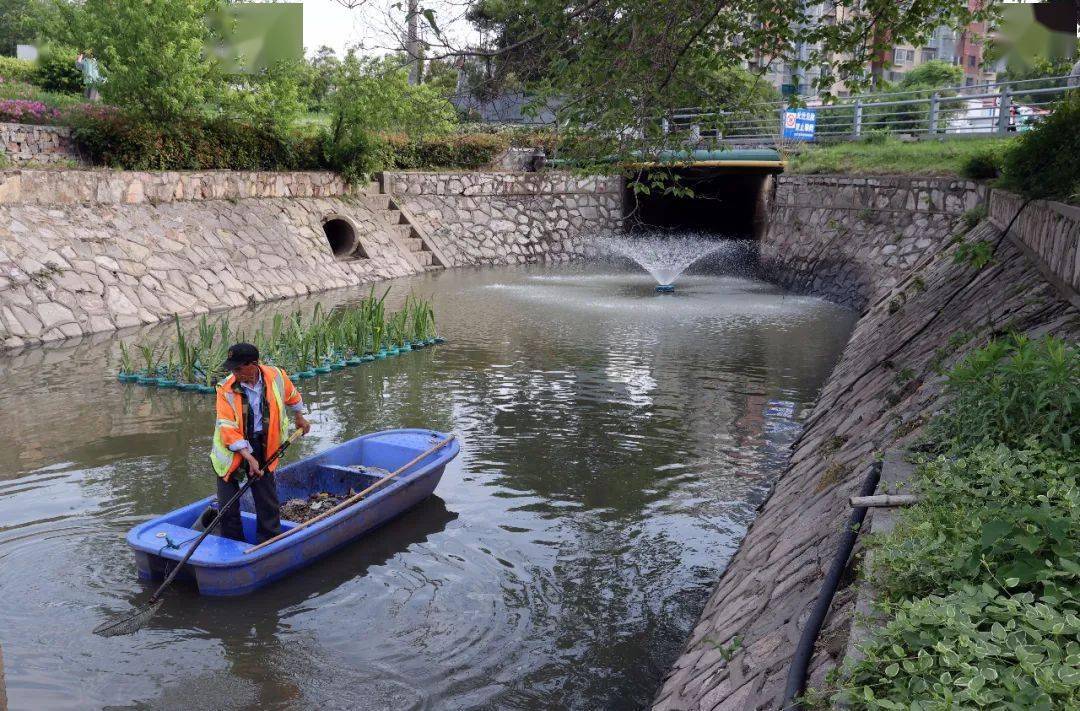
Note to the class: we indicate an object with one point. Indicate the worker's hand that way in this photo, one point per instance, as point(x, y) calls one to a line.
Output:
point(252, 464)
point(302, 423)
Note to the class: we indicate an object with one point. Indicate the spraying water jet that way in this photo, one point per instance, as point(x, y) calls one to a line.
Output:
point(666, 257)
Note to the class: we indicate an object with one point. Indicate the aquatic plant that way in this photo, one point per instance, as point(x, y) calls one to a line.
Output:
point(301, 345)
point(126, 364)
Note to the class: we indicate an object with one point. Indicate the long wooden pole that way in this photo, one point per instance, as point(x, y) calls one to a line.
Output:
point(354, 498)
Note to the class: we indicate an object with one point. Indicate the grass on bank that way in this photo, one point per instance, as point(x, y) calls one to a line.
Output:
point(890, 156)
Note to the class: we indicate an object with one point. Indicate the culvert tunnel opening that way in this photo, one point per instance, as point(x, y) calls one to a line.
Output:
point(726, 203)
point(713, 230)
point(341, 236)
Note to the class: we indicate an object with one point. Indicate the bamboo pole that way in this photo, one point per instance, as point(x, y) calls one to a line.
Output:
point(882, 500)
point(356, 497)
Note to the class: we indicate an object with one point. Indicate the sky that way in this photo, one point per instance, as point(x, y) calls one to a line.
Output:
point(372, 25)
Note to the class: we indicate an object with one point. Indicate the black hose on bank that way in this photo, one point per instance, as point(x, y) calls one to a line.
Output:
point(800, 662)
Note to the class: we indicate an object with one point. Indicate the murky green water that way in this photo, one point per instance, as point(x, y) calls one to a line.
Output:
point(615, 444)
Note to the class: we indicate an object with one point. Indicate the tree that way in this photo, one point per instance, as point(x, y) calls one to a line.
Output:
point(934, 74)
point(152, 52)
point(318, 81)
point(21, 21)
point(616, 66)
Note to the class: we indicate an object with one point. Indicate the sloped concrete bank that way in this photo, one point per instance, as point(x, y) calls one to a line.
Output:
point(85, 251)
point(922, 310)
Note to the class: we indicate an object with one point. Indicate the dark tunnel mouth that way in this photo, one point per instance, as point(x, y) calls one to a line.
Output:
point(341, 236)
point(725, 202)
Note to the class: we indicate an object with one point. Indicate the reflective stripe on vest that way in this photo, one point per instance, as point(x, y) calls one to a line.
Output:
point(278, 391)
point(220, 455)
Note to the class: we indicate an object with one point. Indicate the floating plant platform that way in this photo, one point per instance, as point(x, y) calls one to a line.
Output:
point(304, 347)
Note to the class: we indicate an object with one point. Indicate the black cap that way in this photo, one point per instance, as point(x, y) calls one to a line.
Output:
point(240, 354)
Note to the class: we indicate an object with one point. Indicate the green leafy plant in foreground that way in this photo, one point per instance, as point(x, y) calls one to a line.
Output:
point(980, 581)
point(1010, 390)
point(1016, 511)
point(980, 647)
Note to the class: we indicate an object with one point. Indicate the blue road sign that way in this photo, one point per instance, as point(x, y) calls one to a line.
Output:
point(799, 124)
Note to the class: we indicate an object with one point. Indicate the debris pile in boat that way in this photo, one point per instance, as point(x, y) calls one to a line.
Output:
point(301, 510)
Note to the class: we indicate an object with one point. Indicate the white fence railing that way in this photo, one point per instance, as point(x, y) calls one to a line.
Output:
point(987, 110)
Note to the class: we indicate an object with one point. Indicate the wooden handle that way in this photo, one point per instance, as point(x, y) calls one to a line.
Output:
point(882, 500)
point(354, 498)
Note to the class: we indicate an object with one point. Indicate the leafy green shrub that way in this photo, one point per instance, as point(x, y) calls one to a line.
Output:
point(975, 254)
point(12, 69)
point(56, 70)
point(126, 141)
point(1009, 511)
point(1011, 390)
point(1042, 162)
point(982, 165)
point(979, 647)
point(470, 151)
point(356, 156)
point(974, 216)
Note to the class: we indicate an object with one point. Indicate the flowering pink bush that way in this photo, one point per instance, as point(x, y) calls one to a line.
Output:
point(27, 111)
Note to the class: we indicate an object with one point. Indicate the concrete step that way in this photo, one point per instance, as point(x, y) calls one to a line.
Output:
point(433, 267)
point(415, 244)
point(424, 258)
point(375, 202)
point(401, 232)
point(371, 188)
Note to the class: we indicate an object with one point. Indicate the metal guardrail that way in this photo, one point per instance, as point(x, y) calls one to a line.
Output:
point(986, 110)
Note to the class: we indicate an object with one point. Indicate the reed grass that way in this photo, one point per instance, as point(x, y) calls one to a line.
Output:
point(302, 345)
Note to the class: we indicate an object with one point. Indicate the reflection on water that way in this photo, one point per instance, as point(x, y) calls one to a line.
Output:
point(615, 443)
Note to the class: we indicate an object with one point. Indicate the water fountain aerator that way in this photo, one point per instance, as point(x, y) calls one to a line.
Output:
point(665, 288)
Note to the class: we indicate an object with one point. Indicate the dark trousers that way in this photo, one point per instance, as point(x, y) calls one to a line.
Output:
point(263, 491)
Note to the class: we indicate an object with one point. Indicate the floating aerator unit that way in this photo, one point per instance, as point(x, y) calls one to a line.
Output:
point(665, 288)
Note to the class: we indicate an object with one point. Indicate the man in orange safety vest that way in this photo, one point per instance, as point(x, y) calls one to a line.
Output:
point(251, 425)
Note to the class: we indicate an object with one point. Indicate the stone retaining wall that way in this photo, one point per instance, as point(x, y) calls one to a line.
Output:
point(25, 143)
point(853, 239)
point(111, 250)
point(1050, 232)
point(104, 187)
point(83, 251)
point(920, 319)
point(508, 218)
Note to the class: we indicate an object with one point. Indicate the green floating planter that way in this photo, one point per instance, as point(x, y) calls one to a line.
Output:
point(322, 369)
point(381, 354)
point(404, 348)
point(127, 377)
point(144, 380)
point(367, 357)
point(439, 340)
point(353, 362)
point(166, 383)
point(187, 387)
point(206, 388)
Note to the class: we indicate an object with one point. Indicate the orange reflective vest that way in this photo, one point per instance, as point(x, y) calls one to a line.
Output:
point(279, 392)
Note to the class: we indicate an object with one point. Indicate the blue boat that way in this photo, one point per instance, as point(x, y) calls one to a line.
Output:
point(222, 566)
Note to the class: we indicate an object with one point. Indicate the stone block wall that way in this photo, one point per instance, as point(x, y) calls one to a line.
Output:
point(88, 251)
point(25, 143)
point(852, 239)
point(130, 187)
point(1049, 232)
point(508, 218)
point(920, 319)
